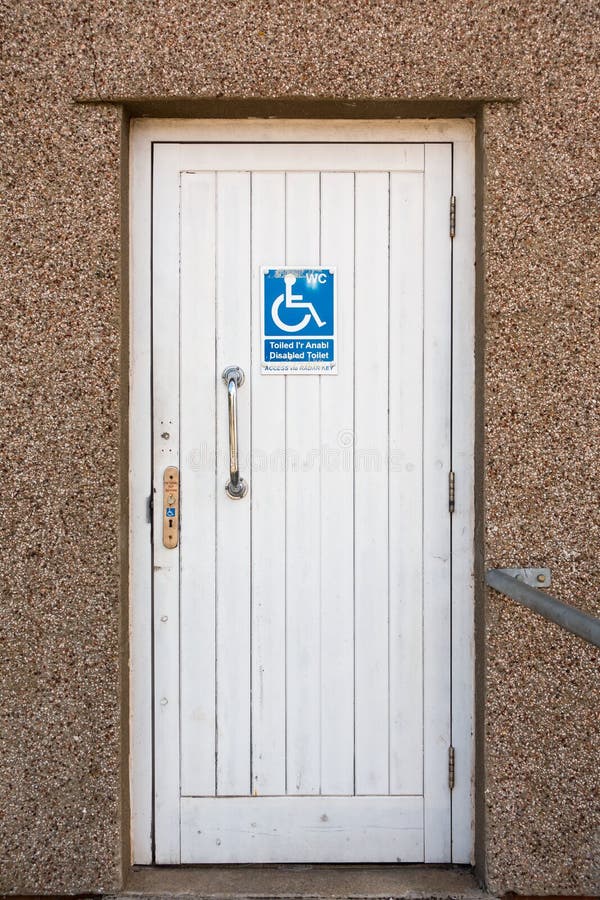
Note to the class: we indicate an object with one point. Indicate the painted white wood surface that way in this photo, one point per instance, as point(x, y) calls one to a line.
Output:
point(275, 130)
point(303, 525)
point(261, 622)
point(463, 520)
point(144, 133)
point(371, 501)
point(406, 482)
point(268, 511)
point(198, 483)
point(232, 830)
point(337, 500)
point(140, 527)
point(295, 158)
point(165, 399)
point(436, 519)
point(233, 293)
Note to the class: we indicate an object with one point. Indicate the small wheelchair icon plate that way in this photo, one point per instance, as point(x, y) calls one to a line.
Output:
point(298, 320)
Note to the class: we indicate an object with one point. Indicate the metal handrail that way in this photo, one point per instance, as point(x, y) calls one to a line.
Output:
point(568, 617)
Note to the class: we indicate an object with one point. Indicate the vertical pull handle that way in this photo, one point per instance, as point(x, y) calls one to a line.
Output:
point(236, 487)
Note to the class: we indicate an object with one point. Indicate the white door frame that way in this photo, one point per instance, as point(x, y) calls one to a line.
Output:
point(144, 133)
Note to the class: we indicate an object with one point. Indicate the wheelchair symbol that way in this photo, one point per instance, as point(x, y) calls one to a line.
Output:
point(293, 301)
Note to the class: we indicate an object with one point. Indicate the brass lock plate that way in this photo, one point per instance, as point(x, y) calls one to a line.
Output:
point(171, 507)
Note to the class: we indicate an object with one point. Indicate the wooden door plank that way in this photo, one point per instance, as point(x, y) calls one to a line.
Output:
point(233, 516)
point(406, 483)
point(371, 484)
point(198, 540)
point(303, 530)
point(337, 502)
point(268, 508)
point(463, 519)
point(320, 830)
point(299, 157)
point(141, 676)
point(436, 517)
point(165, 384)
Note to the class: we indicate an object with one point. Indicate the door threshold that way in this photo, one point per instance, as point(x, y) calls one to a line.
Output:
point(303, 882)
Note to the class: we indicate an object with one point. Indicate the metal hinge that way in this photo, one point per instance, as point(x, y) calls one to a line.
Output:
point(451, 490)
point(149, 508)
point(452, 216)
point(451, 767)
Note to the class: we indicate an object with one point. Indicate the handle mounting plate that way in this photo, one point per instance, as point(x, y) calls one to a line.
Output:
point(171, 507)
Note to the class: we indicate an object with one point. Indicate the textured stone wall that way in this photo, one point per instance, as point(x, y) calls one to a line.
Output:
point(60, 732)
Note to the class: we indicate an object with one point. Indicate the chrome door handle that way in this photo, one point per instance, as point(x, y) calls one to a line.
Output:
point(236, 487)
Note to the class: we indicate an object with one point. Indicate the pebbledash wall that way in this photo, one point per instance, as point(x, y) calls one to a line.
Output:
point(525, 69)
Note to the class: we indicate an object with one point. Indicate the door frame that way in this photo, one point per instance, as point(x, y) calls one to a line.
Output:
point(144, 134)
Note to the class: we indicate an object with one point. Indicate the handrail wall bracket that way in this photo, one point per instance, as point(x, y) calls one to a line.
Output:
point(537, 578)
point(506, 582)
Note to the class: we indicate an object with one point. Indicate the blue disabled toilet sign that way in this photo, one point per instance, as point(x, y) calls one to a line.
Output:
point(298, 321)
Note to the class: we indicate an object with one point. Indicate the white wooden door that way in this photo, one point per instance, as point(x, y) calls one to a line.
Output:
point(302, 634)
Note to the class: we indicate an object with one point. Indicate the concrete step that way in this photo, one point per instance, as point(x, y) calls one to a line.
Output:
point(299, 882)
